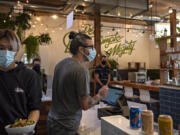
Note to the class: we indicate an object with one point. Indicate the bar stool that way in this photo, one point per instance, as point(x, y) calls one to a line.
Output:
point(152, 104)
point(129, 94)
point(145, 97)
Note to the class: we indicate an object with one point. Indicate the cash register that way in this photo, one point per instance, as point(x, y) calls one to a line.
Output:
point(115, 101)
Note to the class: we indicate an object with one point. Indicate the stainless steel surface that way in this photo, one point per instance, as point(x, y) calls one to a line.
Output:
point(139, 77)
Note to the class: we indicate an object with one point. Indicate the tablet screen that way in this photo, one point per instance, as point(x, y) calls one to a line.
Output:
point(113, 96)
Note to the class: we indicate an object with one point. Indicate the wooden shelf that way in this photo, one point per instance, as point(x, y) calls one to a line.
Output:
point(166, 53)
point(126, 83)
point(167, 69)
point(164, 58)
point(171, 85)
point(174, 36)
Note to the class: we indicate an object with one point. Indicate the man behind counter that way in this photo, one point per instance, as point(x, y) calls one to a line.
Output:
point(20, 91)
point(102, 74)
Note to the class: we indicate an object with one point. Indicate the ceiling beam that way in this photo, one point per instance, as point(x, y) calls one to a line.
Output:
point(113, 20)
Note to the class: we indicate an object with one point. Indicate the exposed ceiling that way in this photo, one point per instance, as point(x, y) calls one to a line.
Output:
point(132, 9)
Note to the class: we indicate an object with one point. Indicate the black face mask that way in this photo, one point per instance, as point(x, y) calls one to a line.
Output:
point(37, 68)
point(104, 62)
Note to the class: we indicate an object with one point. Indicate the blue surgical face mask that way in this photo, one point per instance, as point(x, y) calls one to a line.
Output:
point(92, 54)
point(6, 58)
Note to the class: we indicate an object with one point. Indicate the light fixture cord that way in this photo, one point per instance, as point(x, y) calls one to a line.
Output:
point(151, 20)
point(125, 21)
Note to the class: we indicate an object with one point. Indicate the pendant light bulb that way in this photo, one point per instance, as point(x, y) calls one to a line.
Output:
point(170, 10)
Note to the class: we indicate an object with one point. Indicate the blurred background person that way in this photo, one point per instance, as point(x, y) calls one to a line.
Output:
point(36, 66)
point(102, 73)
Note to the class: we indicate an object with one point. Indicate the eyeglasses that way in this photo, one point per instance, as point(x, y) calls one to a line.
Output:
point(2, 47)
point(89, 46)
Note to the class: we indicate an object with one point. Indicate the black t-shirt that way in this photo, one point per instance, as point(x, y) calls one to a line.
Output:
point(103, 73)
point(20, 93)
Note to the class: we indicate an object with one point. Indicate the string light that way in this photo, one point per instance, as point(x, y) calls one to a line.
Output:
point(54, 16)
point(18, 2)
point(119, 13)
point(4, 21)
point(170, 10)
point(38, 18)
point(125, 43)
point(83, 4)
point(42, 24)
point(33, 26)
point(27, 1)
point(151, 5)
point(130, 14)
point(10, 16)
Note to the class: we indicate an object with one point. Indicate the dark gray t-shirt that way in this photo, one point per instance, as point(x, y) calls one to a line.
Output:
point(71, 80)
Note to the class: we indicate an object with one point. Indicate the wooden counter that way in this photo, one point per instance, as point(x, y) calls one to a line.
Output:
point(137, 85)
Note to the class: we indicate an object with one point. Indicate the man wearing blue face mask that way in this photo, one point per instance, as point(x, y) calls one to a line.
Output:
point(20, 93)
point(71, 88)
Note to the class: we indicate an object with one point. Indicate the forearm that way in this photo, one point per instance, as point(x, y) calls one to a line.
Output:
point(34, 115)
point(100, 83)
point(98, 80)
point(93, 100)
point(109, 78)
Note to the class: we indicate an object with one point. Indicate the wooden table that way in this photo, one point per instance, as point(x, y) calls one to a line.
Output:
point(137, 85)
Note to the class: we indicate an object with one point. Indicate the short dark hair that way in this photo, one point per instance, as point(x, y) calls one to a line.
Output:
point(36, 59)
point(11, 37)
point(78, 39)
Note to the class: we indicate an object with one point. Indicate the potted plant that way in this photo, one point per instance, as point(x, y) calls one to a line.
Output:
point(113, 69)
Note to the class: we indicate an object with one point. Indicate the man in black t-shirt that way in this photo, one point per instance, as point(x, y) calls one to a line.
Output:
point(102, 74)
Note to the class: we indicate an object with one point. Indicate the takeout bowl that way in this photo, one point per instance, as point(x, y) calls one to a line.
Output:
point(20, 130)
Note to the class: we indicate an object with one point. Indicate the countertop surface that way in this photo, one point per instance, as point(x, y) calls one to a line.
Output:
point(137, 85)
point(122, 124)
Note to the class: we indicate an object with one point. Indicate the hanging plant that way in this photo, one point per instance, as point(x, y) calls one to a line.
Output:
point(6, 22)
point(44, 38)
point(20, 24)
point(31, 44)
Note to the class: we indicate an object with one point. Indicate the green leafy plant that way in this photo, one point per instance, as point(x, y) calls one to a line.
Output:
point(20, 23)
point(113, 64)
point(44, 38)
point(6, 22)
point(32, 44)
point(178, 29)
